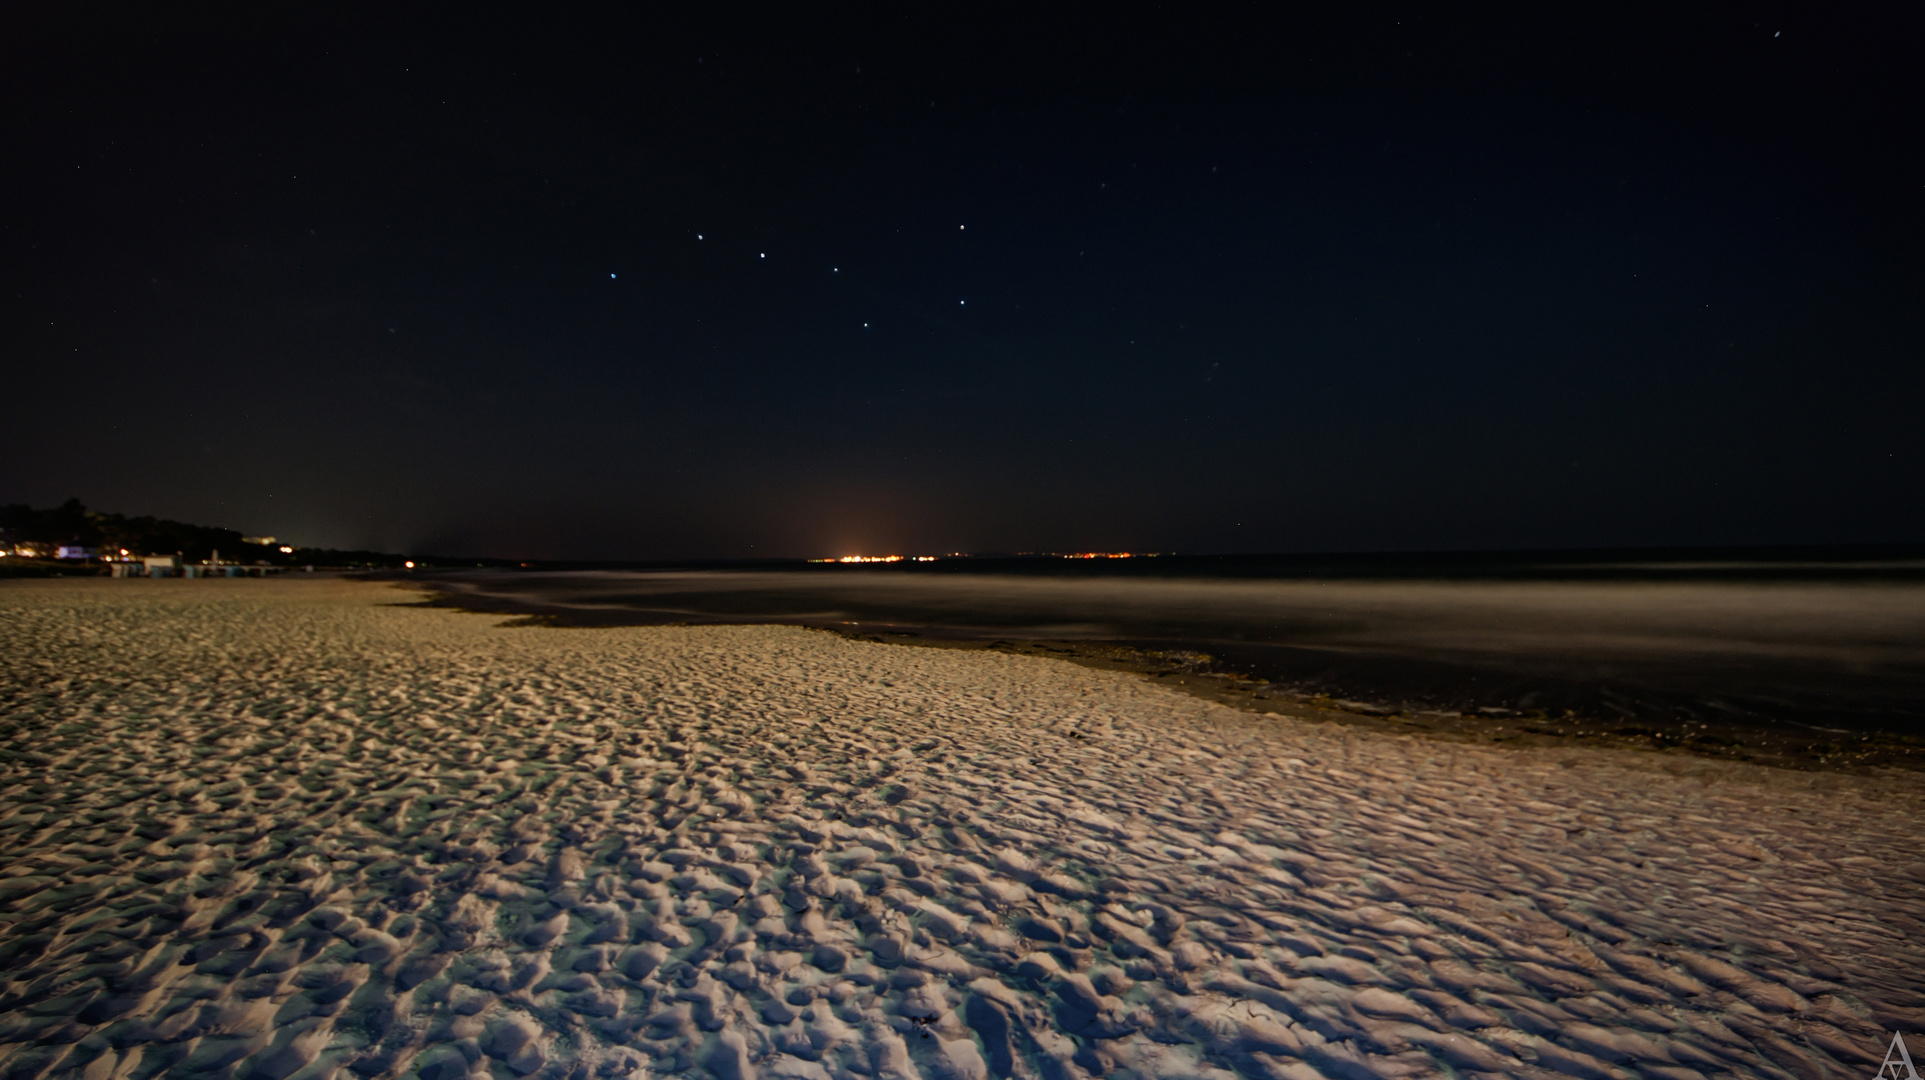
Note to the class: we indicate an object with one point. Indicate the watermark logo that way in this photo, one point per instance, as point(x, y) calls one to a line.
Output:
point(1898, 1061)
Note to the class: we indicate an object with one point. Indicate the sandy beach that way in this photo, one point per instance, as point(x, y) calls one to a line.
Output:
point(270, 829)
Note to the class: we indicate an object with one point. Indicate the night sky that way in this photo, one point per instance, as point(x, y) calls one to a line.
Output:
point(1217, 279)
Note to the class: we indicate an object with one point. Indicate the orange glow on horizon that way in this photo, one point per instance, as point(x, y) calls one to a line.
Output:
point(876, 559)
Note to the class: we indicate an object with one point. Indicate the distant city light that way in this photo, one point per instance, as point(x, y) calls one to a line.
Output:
point(409, 564)
point(285, 550)
point(1101, 555)
point(877, 558)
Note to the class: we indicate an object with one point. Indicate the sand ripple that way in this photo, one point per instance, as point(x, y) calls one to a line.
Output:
point(264, 830)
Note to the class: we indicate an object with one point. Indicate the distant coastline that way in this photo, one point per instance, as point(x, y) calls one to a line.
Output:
point(71, 540)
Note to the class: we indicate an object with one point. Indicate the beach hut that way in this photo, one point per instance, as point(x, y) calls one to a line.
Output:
point(161, 565)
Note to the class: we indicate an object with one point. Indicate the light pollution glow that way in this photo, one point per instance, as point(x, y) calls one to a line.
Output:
point(933, 558)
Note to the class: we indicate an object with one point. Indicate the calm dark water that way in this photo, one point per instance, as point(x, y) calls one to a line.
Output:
point(1812, 640)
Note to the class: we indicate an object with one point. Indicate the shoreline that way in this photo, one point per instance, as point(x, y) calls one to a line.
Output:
point(1188, 667)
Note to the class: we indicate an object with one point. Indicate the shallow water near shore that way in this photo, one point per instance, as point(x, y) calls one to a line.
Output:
point(1823, 656)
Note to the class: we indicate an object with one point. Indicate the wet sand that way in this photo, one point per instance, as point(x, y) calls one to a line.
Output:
point(273, 829)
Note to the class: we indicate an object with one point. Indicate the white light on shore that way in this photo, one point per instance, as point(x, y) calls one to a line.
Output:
point(409, 564)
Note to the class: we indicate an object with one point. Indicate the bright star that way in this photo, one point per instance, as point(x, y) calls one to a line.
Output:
point(611, 277)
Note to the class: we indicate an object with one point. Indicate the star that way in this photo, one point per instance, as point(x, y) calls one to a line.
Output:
point(611, 277)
